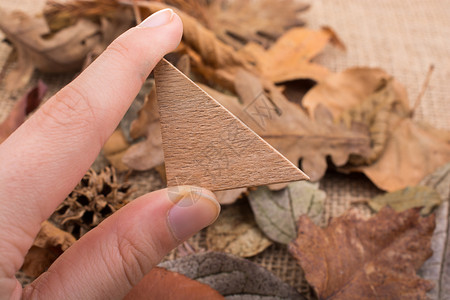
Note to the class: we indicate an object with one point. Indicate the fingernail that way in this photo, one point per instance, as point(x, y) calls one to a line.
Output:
point(195, 209)
point(159, 18)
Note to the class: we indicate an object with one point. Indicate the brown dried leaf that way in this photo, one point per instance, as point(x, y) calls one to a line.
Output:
point(372, 259)
point(412, 151)
point(229, 196)
point(236, 232)
point(286, 127)
point(233, 277)
point(349, 89)
point(27, 104)
point(38, 49)
point(290, 57)
point(115, 148)
point(160, 283)
point(239, 22)
point(50, 243)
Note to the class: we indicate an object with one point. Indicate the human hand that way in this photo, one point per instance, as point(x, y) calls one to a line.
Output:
point(43, 160)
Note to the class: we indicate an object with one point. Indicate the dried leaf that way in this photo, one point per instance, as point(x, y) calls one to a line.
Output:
point(362, 97)
point(232, 277)
point(349, 89)
point(290, 57)
point(277, 212)
point(27, 104)
point(50, 243)
point(366, 259)
point(239, 22)
point(95, 198)
point(60, 52)
point(412, 151)
point(229, 196)
point(236, 232)
point(160, 283)
point(437, 268)
point(115, 148)
point(286, 127)
point(417, 196)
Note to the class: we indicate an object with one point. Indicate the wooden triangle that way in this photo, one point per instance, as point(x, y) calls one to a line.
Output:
point(206, 145)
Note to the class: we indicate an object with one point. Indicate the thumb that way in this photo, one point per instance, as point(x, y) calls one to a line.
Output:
point(110, 259)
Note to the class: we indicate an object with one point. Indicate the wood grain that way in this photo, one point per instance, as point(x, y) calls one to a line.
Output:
point(206, 145)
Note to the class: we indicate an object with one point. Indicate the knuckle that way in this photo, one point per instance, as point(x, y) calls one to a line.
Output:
point(119, 49)
point(135, 256)
point(70, 107)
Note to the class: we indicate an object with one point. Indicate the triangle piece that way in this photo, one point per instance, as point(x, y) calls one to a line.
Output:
point(206, 145)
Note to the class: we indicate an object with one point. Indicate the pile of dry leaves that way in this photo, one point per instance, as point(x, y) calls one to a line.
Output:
point(261, 69)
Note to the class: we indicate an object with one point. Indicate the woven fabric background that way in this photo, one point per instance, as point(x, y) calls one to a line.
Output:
point(402, 37)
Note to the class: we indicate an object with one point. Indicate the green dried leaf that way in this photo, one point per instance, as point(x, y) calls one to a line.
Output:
point(417, 196)
point(236, 232)
point(277, 212)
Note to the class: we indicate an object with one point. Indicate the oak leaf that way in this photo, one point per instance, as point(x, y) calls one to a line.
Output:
point(366, 259)
point(25, 105)
point(47, 246)
point(276, 212)
point(236, 232)
point(160, 283)
point(232, 277)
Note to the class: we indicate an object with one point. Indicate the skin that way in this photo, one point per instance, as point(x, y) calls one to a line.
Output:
point(47, 156)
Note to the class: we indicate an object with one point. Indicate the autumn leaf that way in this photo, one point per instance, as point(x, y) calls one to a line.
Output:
point(50, 243)
point(27, 104)
point(236, 232)
point(232, 276)
point(61, 52)
point(290, 57)
point(238, 22)
point(114, 149)
point(343, 91)
point(413, 150)
point(287, 128)
point(277, 212)
point(160, 283)
point(409, 197)
point(366, 259)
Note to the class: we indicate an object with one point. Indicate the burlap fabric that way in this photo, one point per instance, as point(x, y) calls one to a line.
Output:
point(402, 37)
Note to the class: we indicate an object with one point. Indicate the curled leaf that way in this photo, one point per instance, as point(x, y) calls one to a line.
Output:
point(47, 246)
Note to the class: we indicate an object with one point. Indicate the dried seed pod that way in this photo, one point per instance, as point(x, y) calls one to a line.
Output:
point(96, 197)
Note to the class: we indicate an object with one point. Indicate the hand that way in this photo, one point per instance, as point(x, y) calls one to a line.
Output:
point(45, 158)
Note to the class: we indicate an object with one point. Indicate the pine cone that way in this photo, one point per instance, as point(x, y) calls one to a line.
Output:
point(96, 197)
